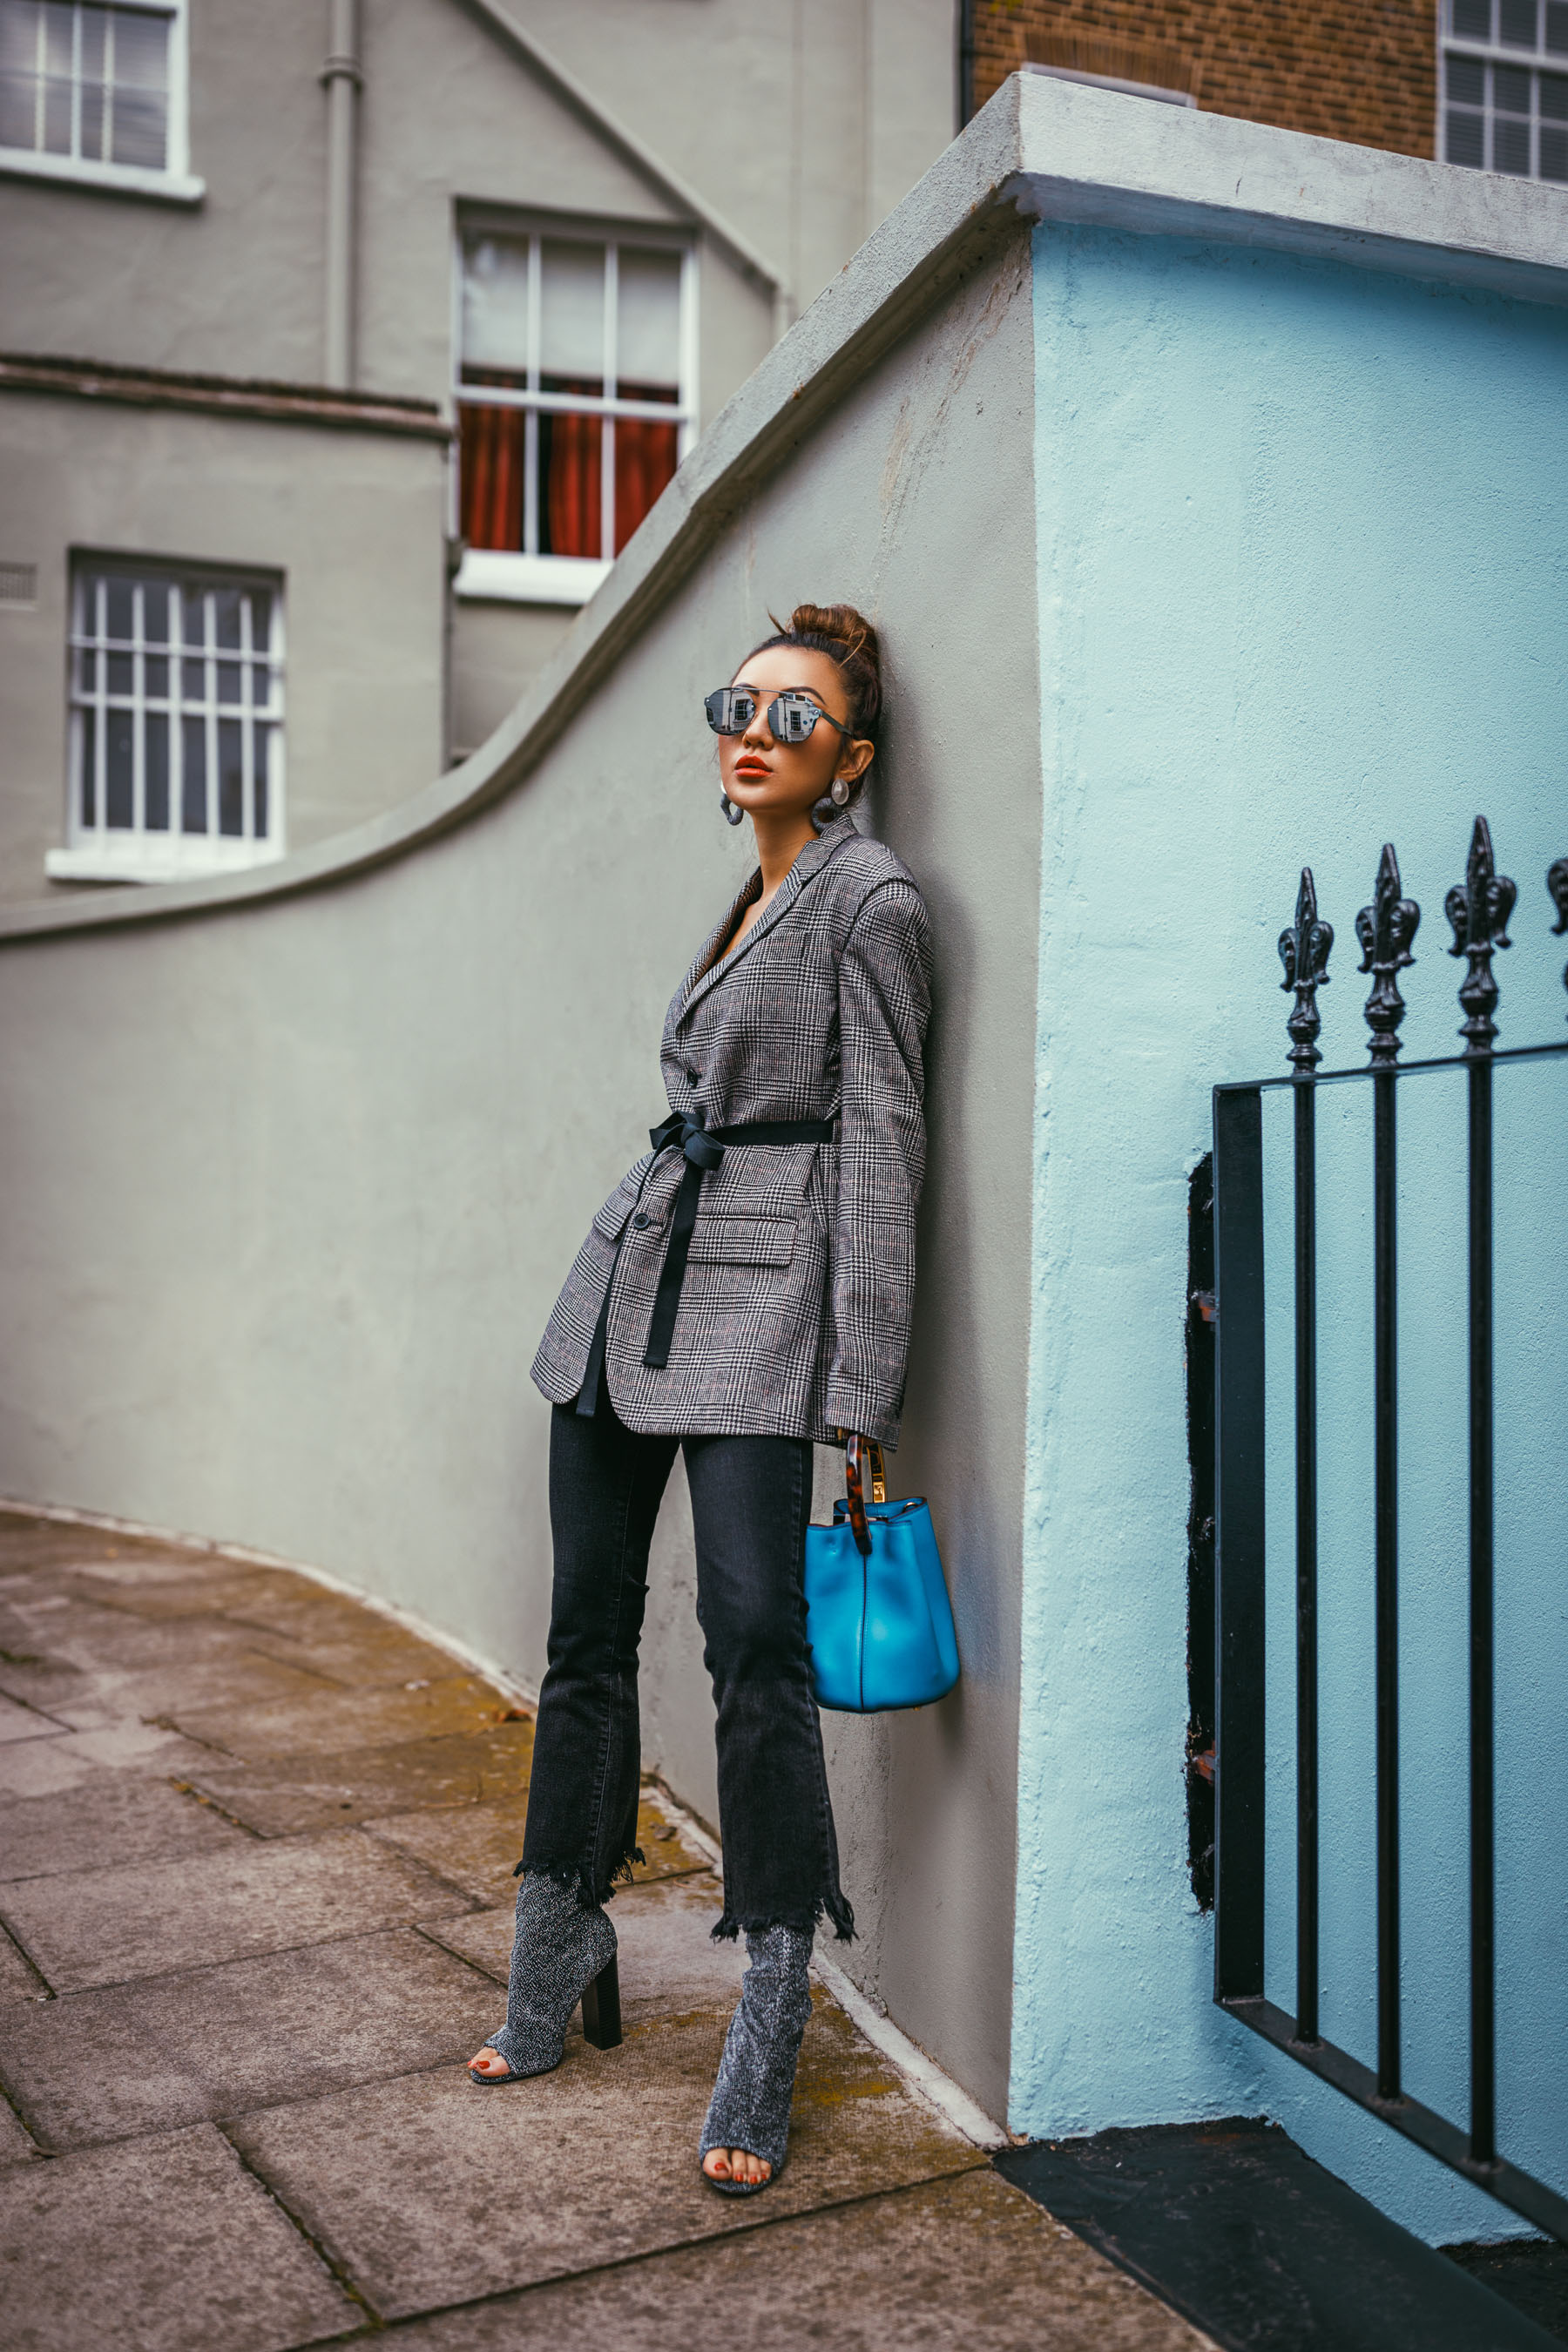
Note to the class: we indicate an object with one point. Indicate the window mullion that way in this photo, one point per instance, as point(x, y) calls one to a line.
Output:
point(275, 749)
point(76, 80)
point(607, 424)
point(137, 711)
point(176, 715)
point(687, 297)
point(100, 710)
point(531, 427)
point(209, 712)
point(247, 724)
point(107, 134)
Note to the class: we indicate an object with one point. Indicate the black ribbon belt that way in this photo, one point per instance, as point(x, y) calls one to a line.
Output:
point(704, 1148)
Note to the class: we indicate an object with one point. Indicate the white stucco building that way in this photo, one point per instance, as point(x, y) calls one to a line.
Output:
point(347, 341)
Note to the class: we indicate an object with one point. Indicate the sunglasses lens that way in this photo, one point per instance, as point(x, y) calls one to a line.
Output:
point(729, 712)
point(792, 718)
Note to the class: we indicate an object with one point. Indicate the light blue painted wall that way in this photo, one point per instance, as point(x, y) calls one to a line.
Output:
point(1303, 544)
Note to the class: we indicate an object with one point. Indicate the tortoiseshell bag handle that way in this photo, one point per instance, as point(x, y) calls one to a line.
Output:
point(856, 1451)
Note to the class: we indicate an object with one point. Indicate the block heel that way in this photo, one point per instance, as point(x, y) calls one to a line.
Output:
point(564, 1953)
point(602, 2008)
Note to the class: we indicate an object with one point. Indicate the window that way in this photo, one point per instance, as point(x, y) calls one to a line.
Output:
point(95, 93)
point(576, 402)
point(1501, 112)
point(176, 723)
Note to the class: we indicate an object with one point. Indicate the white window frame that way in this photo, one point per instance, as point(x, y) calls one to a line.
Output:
point(98, 851)
point(1494, 52)
point(500, 575)
point(176, 183)
point(1109, 82)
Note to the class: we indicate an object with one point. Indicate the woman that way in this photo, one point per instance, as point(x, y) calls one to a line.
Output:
point(745, 1291)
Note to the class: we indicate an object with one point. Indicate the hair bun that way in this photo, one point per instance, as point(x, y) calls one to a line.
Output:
point(844, 628)
point(847, 637)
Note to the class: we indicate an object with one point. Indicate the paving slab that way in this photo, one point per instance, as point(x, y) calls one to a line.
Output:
point(19, 1722)
point(593, 2163)
point(41, 1769)
point(322, 1721)
point(158, 1591)
point(478, 1849)
point(162, 2245)
point(106, 1819)
point(19, 1979)
point(16, 2143)
point(210, 2042)
point(232, 1677)
point(151, 1918)
point(66, 1634)
point(668, 1960)
point(27, 1543)
point(279, 1797)
point(337, 1637)
point(957, 2263)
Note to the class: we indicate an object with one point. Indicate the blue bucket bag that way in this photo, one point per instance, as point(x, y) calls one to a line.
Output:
point(878, 1615)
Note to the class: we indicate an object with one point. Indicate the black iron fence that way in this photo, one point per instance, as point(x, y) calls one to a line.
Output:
point(1479, 908)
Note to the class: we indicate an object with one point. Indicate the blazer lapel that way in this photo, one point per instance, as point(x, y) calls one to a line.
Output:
point(810, 862)
point(704, 958)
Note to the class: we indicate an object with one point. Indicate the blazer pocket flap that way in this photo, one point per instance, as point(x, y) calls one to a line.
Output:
point(742, 1240)
point(609, 1220)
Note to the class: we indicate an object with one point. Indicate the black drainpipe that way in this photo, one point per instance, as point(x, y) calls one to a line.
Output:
point(965, 61)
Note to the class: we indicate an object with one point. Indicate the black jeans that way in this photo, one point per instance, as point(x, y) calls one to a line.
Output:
point(750, 1501)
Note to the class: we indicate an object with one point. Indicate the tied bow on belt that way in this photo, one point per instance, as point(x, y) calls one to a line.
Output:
point(703, 1147)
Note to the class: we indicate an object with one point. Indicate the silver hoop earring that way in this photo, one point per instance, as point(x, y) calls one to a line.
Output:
point(840, 790)
point(732, 814)
point(823, 811)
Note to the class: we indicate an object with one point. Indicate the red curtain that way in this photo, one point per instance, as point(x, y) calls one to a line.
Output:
point(646, 456)
point(491, 458)
point(571, 447)
point(570, 451)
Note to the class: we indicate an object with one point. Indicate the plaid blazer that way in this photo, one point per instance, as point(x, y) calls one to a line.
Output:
point(794, 1313)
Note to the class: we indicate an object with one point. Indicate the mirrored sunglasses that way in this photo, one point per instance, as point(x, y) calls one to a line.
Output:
point(731, 708)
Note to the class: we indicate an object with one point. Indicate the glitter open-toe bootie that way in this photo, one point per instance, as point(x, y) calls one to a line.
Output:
point(751, 2101)
point(564, 1953)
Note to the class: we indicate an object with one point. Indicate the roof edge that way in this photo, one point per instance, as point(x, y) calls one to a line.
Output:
point(577, 95)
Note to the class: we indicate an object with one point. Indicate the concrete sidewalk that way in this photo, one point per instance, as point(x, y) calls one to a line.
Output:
point(256, 1845)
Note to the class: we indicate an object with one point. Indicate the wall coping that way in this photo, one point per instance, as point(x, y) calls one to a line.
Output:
point(580, 99)
point(1041, 149)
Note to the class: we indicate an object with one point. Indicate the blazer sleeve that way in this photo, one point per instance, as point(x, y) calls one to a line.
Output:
point(884, 1004)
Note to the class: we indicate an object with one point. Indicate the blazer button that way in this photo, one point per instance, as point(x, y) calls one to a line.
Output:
point(639, 1219)
point(693, 1077)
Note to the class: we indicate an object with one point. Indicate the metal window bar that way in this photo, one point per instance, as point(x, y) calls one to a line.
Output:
point(1478, 910)
point(191, 697)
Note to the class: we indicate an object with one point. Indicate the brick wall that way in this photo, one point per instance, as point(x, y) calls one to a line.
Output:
point(1362, 70)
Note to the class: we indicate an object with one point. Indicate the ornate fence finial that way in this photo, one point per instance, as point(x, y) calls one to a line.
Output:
point(1385, 929)
point(1304, 952)
point(1557, 883)
point(1479, 908)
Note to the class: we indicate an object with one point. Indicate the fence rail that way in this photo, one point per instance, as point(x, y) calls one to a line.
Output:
point(1479, 908)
